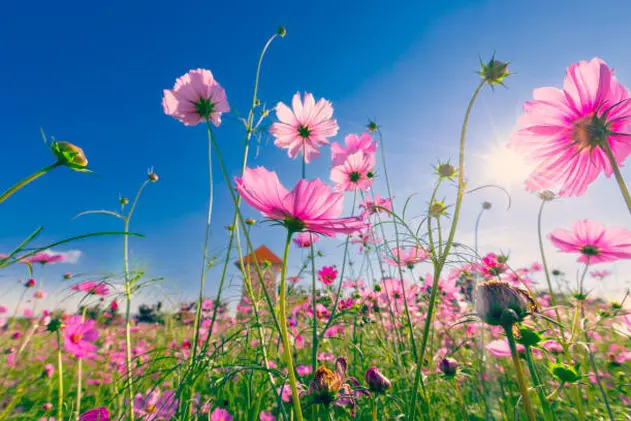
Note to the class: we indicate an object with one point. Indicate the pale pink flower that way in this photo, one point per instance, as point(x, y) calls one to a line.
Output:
point(377, 205)
point(413, 256)
point(600, 274)
point(45, 257)
point(310, 206)
point(501, 349)
point(304, 240)
point(79, 337)
point(355, 173)
point(306, 128)
point(92, 287)
point(563, 130)
point(155, 406)
point(304, 370)
point(195, 98)
point(354, 143)
point(594, 243)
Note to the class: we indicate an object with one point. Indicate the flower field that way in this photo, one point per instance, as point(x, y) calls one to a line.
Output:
point(409, 323)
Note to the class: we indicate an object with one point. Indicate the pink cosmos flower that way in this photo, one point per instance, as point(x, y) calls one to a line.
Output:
point(92, 287)
point(306, 128)
point(413, 256)
point(310, 206)
point(563, 130)
point(155, 406)
point(196, 96)
point(96, 414)
point(79, 336)
point(595, 243)
point(220, 414)
point(491, 266)
point(304, 370)
point(49, 370)
point(304, 240)
point(45, 257)
point(327, 275)
point(500, 348)
point(3, 309)
point(600, 274)
point(354, 143)
point(266, 416)
point(377, 205)
point(355, 173)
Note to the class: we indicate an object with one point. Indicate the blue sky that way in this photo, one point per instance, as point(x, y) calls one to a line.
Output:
point(93, 74)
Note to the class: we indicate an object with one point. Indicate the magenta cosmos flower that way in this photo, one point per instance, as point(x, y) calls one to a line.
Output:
point(310, 206)
point(355, 173)
point(327, 275)
point(595, 243)
point(563, 130)
point(92, 287)
point(196, 97)
point(96, 414)
point(79, 337)
point(45, 257)
point(354, 143)
point(220, 414)
point(306, 128)
point(377, 205)
point(413, 256)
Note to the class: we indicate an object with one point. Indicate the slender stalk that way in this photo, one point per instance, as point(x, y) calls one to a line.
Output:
point(463, 406)
point(202, 282)
point(438, 266)
point(282, 319)
point(616, 171)
point(545, 405)
point(128, 296)
point(592, 362)
point(314, 337)
point(27, 180)
point(79, 387)
point(60, 377)
point(374, 409)
point(530, 413)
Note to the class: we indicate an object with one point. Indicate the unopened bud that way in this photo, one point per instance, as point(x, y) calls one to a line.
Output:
point(281, 31)
point(448, 366)
point(377, 382)
point(500, 304)
point(69, 155)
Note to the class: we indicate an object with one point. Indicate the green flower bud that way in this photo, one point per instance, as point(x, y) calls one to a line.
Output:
point(70, 156)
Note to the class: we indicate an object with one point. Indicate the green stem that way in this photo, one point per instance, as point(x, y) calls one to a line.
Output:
point(314, 338)
point(547, 412)
point(202, 282)
point(128, 296)
point(530, 413)
point(460, 399)
point(27, 180)
point(60, 377)
point(616, 171)
point(374, 409)
point(282, 319)
point(593, 364)
point(442, 259)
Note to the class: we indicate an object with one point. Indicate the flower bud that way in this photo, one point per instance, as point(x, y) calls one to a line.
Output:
point(281, 31)
point(30, 283)
point(446, 171)
point(372, 126)
point(123, 200)
point(69, 155)
point(437, 208)
point(486, 205)
point(500, 304)
point(152, 176)
point(377, 382)
point(494, 72)
point(448, 366)
point(556, 272)
point(250, 221)
point(324, 386)
point(67, 275)
point(54, 325)
point(47, 406)
point(547, 195)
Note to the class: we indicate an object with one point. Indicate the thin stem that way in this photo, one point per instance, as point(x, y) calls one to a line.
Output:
point(202, 282)
point(282, 319)
point(374, 409)
point(26, 181)
point(461, 400)
point(314, 337)
point(530, 413)
point(616, 171)
point(593, 363)
point(547, 413)
point(128, 296)
point(438, 267)
point(60, 377)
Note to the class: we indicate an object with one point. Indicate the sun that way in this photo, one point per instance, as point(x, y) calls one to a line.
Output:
point(502, 166)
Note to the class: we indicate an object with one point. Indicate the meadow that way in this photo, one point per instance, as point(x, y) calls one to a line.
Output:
point(475, 338)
